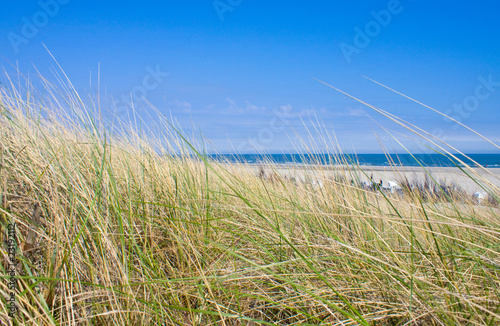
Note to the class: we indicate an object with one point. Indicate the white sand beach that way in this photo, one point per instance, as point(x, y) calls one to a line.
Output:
point(445, 175)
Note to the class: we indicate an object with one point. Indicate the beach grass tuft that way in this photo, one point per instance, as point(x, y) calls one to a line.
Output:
point(120, 226)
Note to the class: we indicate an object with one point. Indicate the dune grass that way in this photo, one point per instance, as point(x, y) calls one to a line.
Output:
point(129, 234)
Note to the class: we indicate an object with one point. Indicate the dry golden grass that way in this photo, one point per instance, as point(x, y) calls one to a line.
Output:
point(129, 235)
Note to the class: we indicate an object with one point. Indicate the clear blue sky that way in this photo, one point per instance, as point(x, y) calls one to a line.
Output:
point(242, 71)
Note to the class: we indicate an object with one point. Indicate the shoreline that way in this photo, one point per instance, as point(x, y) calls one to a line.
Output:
point(317, 174)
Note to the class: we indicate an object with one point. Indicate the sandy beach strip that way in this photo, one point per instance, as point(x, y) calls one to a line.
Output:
point(317, 174)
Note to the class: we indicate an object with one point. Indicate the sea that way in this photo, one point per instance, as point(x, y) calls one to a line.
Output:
point(428, 160)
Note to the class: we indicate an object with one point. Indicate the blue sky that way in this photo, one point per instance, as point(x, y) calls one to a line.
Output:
point(243, 72)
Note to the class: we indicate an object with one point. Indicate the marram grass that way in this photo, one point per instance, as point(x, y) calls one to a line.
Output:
point(129, 235)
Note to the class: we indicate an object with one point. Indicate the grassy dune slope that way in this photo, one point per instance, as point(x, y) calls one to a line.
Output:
point(129, 236)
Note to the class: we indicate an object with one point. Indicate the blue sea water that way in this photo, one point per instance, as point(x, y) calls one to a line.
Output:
point(430, 160)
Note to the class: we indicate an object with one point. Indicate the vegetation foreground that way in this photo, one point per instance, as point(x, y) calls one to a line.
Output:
point(111, 230)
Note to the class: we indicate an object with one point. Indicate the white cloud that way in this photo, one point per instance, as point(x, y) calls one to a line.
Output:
point(180, 106)
point(350, 112)
point(356, 112)
point(322, 112)
point(247, 107)
point(307, 112)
